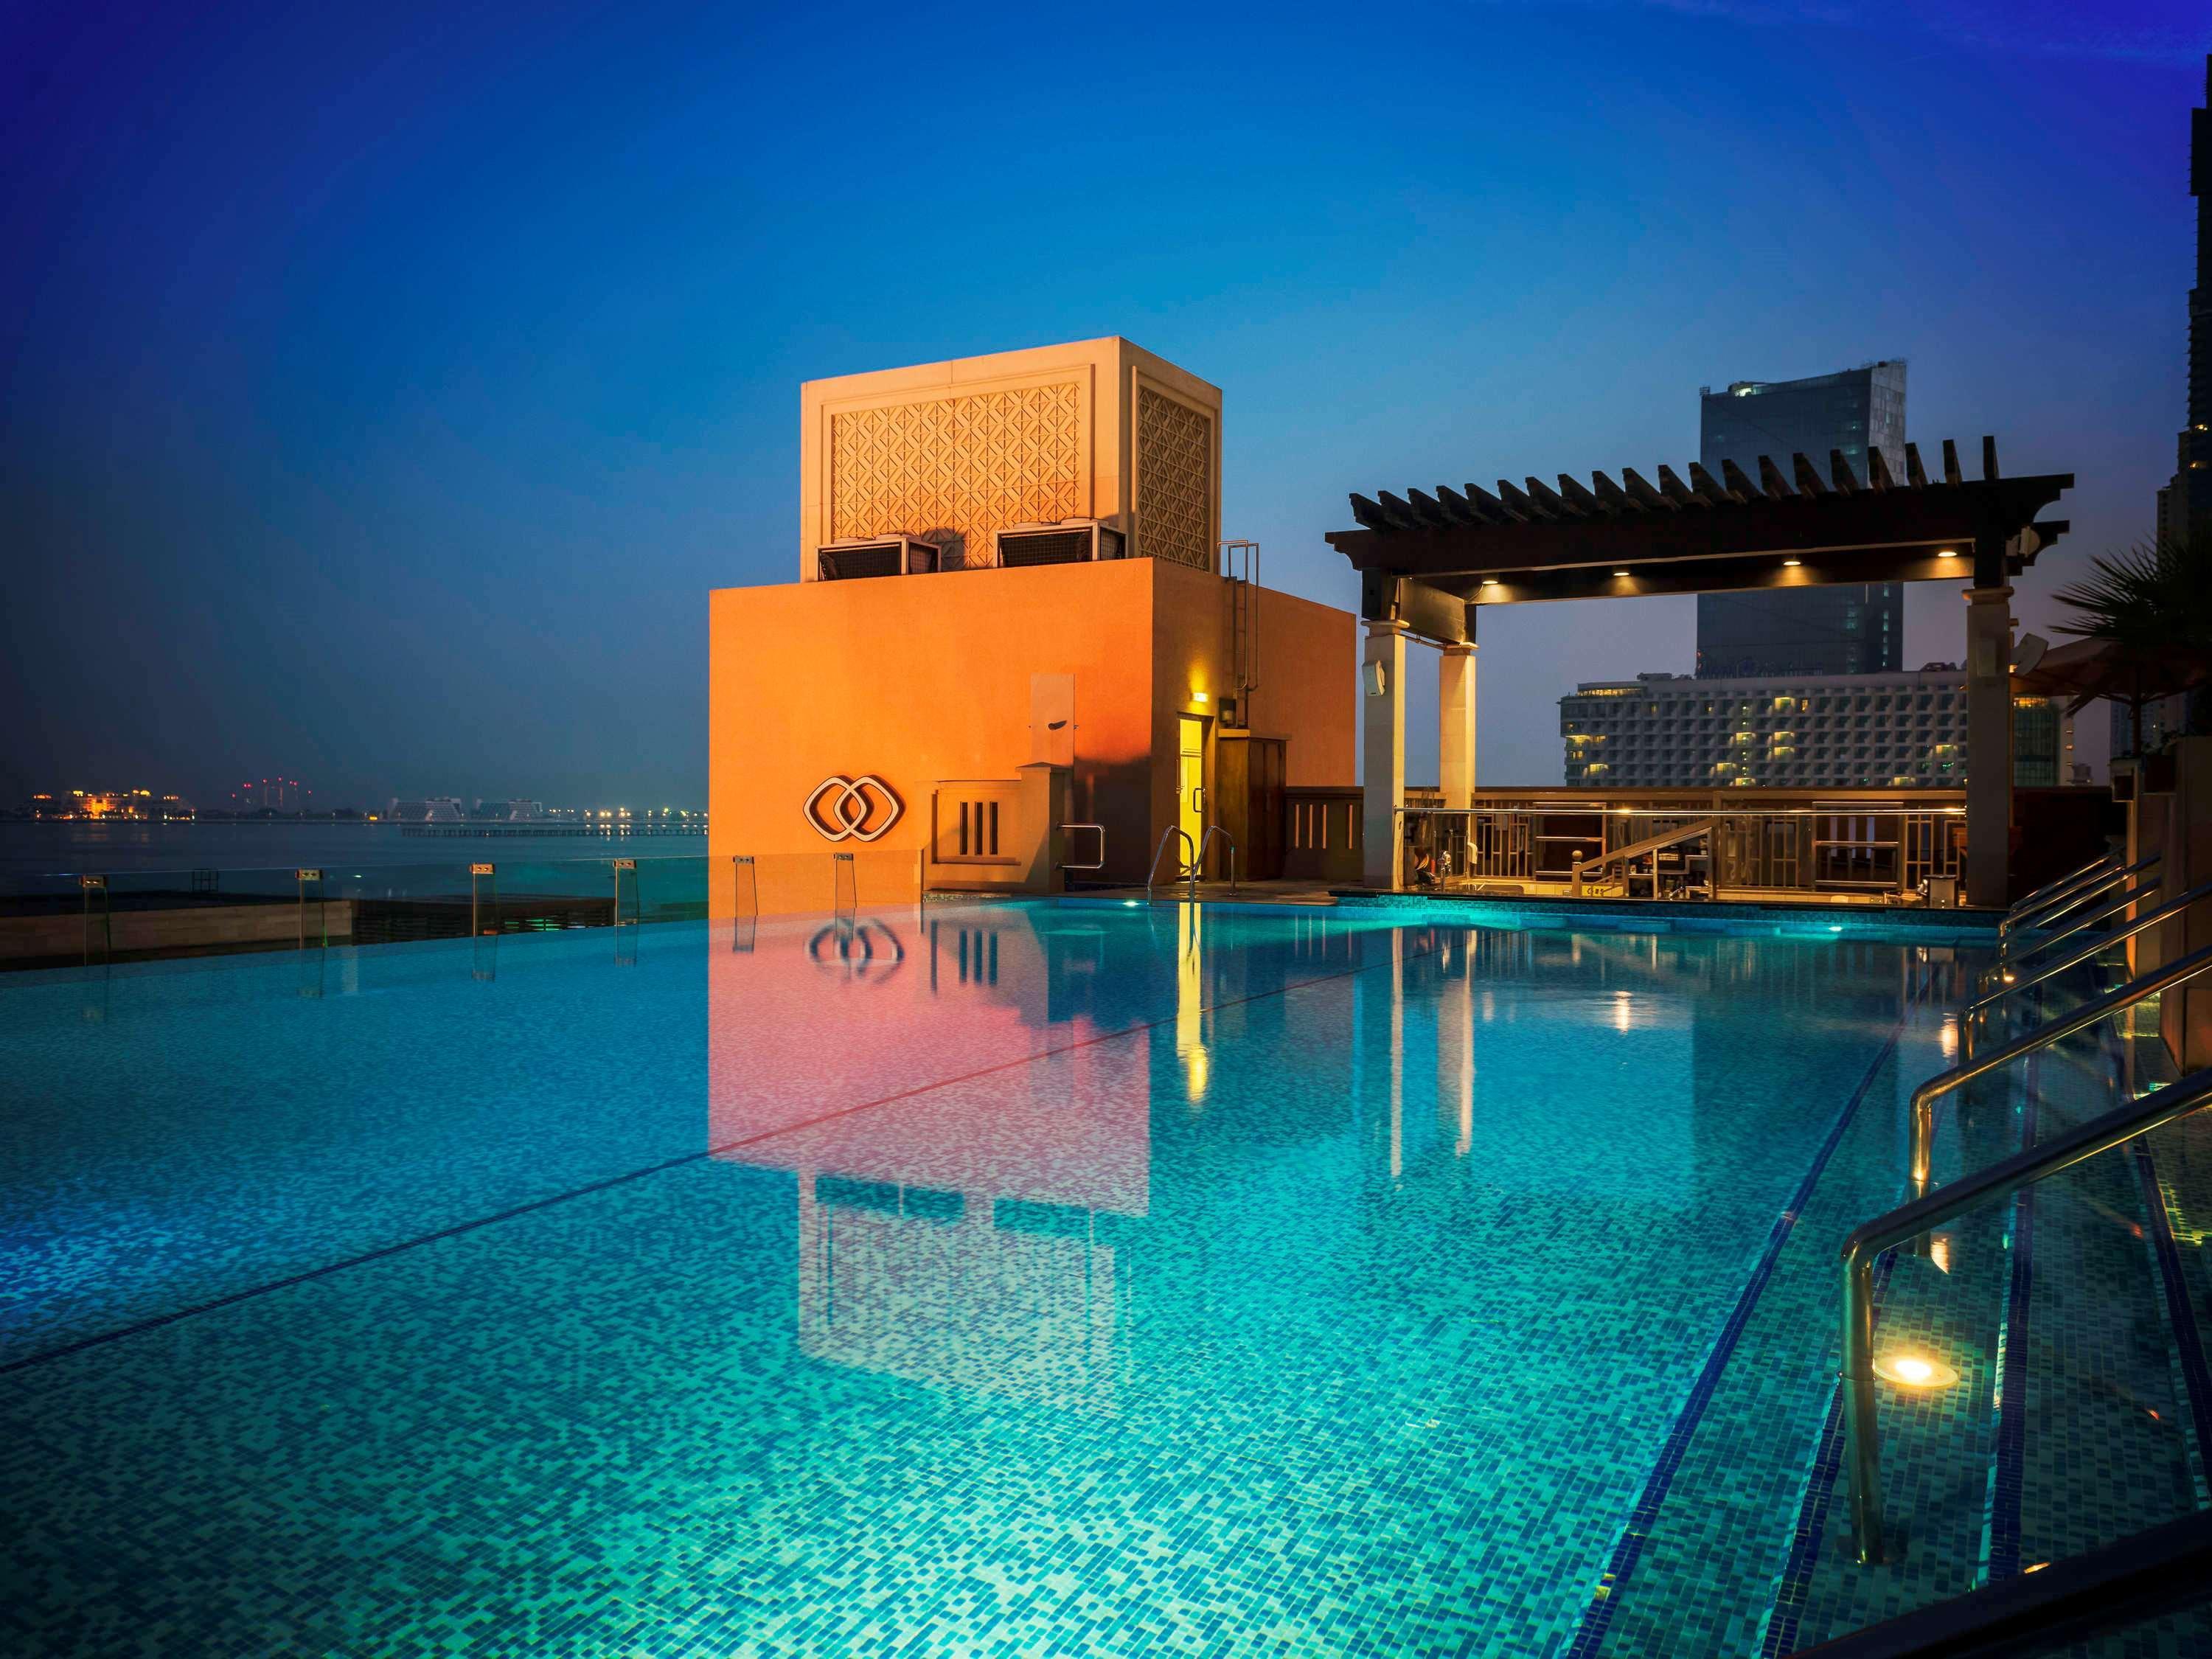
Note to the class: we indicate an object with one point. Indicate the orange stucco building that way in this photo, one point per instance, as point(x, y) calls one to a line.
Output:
point(1012, 619)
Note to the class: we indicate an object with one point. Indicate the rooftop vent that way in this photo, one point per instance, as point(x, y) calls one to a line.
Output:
point(1071, 541)
point(877, 555)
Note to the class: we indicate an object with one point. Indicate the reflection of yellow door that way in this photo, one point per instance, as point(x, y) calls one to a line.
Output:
point(1190, 781)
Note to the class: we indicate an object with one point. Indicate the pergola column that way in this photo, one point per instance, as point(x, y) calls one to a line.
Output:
point(1456, 703)
point(1989, 744)
point(1383, 749)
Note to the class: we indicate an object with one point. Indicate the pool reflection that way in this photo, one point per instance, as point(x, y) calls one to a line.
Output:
point(964, 1232)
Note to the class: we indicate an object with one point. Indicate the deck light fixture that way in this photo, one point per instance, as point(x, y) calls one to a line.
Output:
point(1621, 572)
point(1912, 1371)
point(1946, 552)
point(1793, 563)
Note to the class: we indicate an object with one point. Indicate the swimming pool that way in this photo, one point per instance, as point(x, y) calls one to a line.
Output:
point(1026, 1278)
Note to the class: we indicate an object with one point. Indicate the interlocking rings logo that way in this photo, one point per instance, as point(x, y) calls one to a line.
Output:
point(857, 808)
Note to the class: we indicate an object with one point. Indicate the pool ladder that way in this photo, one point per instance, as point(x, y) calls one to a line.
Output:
point(1189, 873)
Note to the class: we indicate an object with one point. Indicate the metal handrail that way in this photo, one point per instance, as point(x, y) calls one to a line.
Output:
point(2163, 1570)
point(1153, 871)
point(1198, 859)
point(1973, 1012)
point(2110, 872)
point(2053, 890)
point(1653, 844)
point(2110, 908)
point(2181, 969)
point(1101, 829)
point(1908, 1221)
point(2081, 896)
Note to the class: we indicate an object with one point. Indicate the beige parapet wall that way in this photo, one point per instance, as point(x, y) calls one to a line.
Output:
point(953, 453)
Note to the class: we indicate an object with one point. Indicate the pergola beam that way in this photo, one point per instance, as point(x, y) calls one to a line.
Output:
point(1519, 535)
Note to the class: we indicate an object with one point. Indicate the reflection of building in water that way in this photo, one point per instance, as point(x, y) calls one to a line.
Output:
point(1000, 1294)
point(973, 1233)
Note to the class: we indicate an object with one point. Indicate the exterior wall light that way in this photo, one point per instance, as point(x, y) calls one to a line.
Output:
point(1621, 572)
point(1198, 696)
point(1793, 563)
point(1946, 552)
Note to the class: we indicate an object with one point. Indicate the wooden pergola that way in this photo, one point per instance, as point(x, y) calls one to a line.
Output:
point(1428, 560)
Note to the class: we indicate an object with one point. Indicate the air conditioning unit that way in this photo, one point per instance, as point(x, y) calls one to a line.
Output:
point(874, 555)
point(1071, 541)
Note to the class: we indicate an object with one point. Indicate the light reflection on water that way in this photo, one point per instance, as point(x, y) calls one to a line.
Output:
point(1242, 1258)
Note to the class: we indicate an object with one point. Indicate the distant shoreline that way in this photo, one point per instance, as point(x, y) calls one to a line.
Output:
point(40, 850)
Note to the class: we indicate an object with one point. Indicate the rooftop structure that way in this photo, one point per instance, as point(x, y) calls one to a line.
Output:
point(1018, 646)
point(952, 455)
point(1429, 561)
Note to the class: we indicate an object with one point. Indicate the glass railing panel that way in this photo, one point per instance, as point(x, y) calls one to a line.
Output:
point(55, 916)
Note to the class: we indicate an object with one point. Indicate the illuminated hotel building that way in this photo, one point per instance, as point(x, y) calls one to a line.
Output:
point(1833, 731)
point(1016, 646)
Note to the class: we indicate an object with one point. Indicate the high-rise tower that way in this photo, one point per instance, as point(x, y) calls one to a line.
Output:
point(2185, 505)
point(1841, 629)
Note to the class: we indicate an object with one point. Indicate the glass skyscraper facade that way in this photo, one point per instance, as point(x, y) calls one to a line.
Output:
point(1856, 630)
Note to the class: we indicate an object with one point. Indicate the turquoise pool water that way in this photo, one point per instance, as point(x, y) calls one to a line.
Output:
point(1031, 1279)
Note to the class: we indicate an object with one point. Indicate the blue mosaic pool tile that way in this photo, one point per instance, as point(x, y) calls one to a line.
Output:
point(1032, 1279)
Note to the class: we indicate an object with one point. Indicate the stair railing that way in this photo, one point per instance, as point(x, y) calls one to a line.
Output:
point(1198, 859)
point(1653, 844)
point(2055, 889)
point(2009, 965)
point(2043, 914)
point(1971, 1017)
point(2160, 1570)
point(2164, 978)
point(1151, 874)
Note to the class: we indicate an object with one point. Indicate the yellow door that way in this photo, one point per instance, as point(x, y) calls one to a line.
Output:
point(1190, 781)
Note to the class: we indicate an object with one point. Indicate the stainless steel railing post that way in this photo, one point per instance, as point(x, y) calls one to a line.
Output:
point(1152, 871)
point(1862, 1427)
point(1198, 859)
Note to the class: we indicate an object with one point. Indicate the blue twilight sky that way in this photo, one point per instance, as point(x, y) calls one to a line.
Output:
point(385, 388)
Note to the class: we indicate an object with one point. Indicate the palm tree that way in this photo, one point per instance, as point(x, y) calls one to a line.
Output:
point(2151, 606)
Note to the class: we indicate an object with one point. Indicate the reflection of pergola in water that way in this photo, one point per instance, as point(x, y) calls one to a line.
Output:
point(1427, 562)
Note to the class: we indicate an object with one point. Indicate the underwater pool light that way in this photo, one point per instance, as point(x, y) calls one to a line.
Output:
point(1913, 1371)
